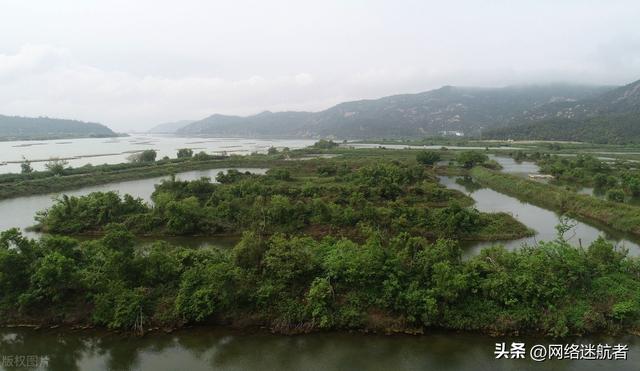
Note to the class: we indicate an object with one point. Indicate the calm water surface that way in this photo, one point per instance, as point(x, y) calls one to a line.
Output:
point(541, 220)
point(98, 151)
point(218, 349)
point(511, 166)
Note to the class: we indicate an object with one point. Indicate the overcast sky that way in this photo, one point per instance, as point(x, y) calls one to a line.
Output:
point(135, 63)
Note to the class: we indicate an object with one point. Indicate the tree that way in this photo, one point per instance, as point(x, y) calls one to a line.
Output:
point(184, 216)
point(319, 301)
point(185, 153)
point(280, 174)
point(201, 156)
point(272, 151)
point(325, 144)
point(456, 220)
point(615, 195)
point(631, 184)
point(52, 278)
point(148, 155)
point(25, 166)
point(232, 176)
point(427, 157)
point(56, 166)
point(469, 159)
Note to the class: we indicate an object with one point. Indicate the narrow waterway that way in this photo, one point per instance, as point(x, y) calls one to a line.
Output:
point(541, 220)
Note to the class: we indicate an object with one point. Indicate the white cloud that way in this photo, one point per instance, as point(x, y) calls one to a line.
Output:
point(44, 80)
point(133, 64)
point(32, 59)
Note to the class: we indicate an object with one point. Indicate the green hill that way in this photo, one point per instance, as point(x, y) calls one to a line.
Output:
point(169, 127)
point(612, 117)
point(461, 109)
point(26, 128)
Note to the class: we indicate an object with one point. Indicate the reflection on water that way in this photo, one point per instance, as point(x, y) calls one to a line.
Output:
point(218, 349)
point(602, 194)
point(541, 220)
point(19, 212)
point(511, 166)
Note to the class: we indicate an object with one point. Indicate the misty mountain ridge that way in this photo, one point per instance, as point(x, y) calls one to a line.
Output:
point(611, 117)
point(40, 128)
point(468, 110)
point(169, 127)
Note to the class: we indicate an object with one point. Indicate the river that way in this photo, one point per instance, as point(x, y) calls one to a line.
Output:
point(222, 349)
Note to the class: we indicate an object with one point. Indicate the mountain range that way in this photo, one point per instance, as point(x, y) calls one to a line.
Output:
point(612, 117)
point(449, 109)
point(601, 114)
point(26, 128)
point(169, 127)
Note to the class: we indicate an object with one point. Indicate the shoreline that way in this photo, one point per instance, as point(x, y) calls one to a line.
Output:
point(257, 328)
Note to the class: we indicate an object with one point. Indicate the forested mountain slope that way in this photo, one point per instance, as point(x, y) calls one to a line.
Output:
point(448, 109)
point(23, 128)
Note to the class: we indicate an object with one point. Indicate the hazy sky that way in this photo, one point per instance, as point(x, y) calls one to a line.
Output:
point(135, 63)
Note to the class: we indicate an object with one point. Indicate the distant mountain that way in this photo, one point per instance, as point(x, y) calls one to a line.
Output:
point(611, 117)
point(462, 109)
point(25, 128)
point(169, 127)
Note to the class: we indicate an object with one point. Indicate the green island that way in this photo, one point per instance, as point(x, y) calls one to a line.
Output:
point(366, 240)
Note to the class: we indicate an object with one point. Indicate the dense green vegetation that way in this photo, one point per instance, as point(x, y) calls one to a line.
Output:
point(611, 117)
point(297, 283)
point(619, 179)
point(428, 157)
point(324, 197)
point(605, 129)
point(622, 217)
point(368, 240)
point(588, 170)
point(55, 166)
point(25, 128)
point(469, 159)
